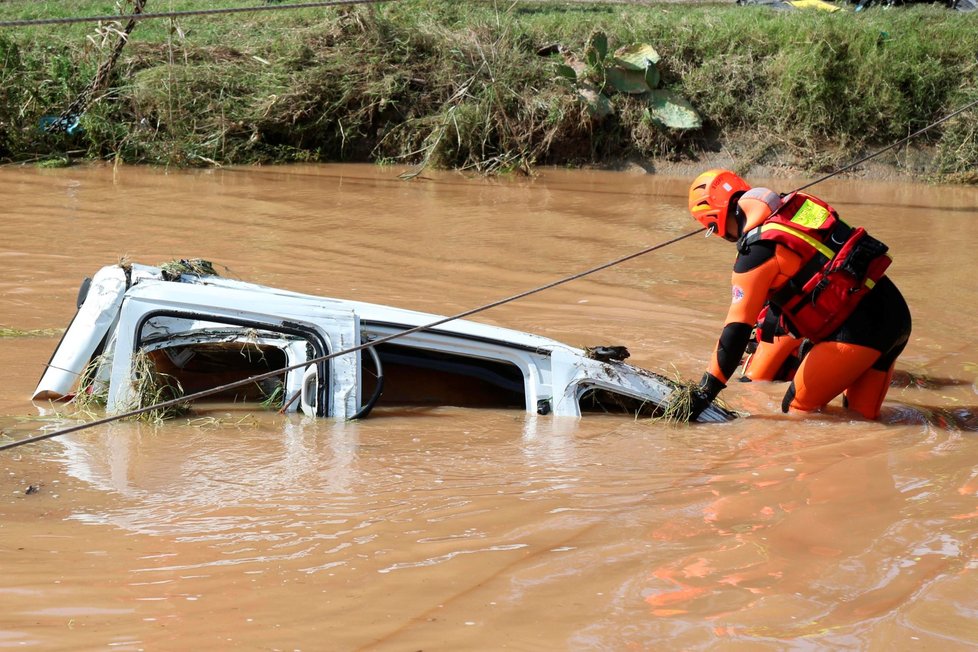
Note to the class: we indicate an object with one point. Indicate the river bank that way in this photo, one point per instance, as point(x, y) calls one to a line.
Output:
point(474, 86)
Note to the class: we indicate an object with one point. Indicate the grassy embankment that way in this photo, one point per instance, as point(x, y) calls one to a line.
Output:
point(460, 85)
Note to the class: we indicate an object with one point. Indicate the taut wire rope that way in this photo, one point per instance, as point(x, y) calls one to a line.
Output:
point(77, 108)
point(438, 322)
point(27, 22)
point(354, 349)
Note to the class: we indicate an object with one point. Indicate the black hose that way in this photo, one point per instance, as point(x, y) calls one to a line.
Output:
point(378, 390)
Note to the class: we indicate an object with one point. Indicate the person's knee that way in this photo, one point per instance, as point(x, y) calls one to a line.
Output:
point(867, 393)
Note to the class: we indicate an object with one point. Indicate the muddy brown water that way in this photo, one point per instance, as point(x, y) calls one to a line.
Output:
point(477, 529)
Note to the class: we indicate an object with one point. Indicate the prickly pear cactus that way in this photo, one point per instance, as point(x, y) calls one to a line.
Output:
point(668, 109)
point(630, 70)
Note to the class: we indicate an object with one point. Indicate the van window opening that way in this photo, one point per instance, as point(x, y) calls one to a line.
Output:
point(201, 366)
point(414, 376)
point(597, 399)
point(180, 328)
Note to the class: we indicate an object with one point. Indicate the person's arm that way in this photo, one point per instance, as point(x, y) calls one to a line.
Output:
point(750, 289)
point(754, 273)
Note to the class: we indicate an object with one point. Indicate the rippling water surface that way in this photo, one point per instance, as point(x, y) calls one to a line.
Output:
point(466, 529)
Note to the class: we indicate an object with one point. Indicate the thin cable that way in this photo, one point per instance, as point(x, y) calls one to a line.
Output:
point(888, 147)
point(174, 14)
point(359, 347)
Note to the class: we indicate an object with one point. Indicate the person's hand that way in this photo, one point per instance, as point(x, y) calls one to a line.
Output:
point(687, 404)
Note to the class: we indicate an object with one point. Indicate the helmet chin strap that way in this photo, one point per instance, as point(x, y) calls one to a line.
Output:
point(710, 230)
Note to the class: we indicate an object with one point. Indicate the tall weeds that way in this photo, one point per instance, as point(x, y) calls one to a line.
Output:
point(460, 85)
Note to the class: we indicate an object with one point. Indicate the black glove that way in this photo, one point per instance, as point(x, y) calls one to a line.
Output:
point(699, 399)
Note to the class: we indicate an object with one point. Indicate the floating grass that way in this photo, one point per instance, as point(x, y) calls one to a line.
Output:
point(677, 410)
point(273, 398)
point(681, 401)
point(54, 163)
point(93, 393)
point(152, 387)
point(246, 421)
point(37, 332)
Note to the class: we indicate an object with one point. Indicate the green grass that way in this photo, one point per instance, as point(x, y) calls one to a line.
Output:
point(459, 84)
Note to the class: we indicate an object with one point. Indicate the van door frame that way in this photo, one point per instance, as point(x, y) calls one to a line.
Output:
point(338, 383)
point(308, 333)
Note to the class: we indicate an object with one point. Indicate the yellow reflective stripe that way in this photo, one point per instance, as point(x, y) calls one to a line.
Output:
point(818, 246)
point(821, 248)
point(870, 283)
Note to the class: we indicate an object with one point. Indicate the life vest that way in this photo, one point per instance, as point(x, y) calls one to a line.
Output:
point(839, 265)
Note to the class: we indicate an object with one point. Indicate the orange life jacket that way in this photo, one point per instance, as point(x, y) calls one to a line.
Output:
point(839, 265)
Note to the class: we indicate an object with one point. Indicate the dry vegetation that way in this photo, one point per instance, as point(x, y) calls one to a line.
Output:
point(462, 85)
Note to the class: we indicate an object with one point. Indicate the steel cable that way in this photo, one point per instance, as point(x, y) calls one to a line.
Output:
point(27, 22)
point(360, 347)
point(415, 329)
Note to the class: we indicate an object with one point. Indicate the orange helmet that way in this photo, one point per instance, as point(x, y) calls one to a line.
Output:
point(710, 197)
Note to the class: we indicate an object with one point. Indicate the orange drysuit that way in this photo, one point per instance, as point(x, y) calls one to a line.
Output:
point(856, 360)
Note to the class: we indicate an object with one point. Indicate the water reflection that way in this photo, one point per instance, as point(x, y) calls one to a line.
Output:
point(828, 532)
point(174, 470)
point(334, 469)
point(549, 441)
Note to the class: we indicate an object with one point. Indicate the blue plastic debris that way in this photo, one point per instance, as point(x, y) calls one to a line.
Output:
point(68, 124)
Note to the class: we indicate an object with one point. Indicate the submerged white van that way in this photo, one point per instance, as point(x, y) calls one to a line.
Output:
point(203, 332)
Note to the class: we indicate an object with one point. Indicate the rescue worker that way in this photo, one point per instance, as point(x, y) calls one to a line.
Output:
point(823, 281)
